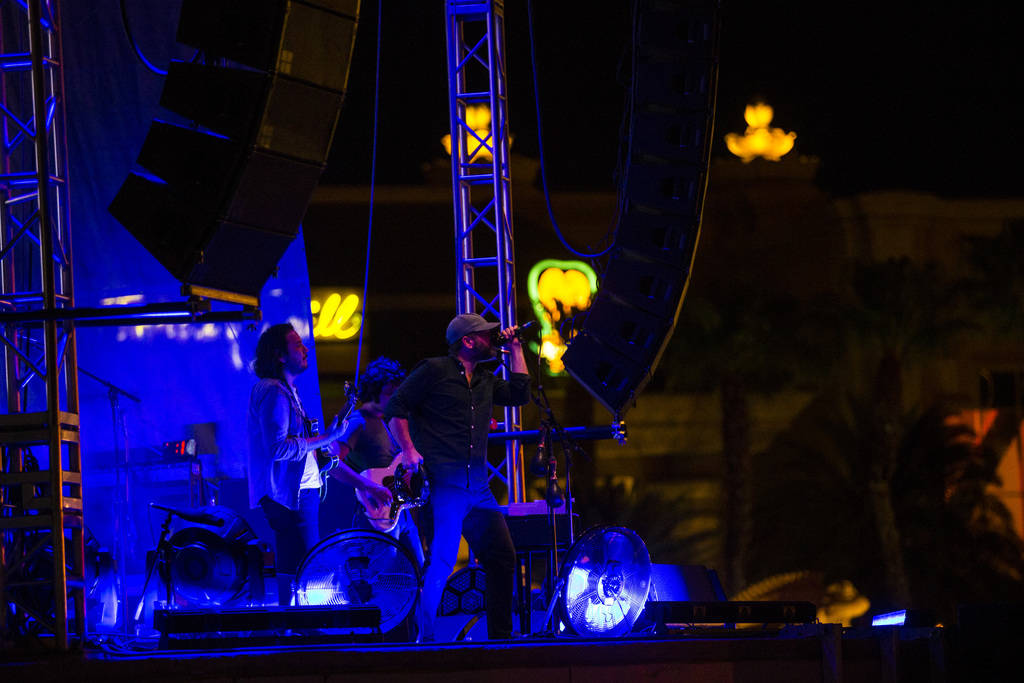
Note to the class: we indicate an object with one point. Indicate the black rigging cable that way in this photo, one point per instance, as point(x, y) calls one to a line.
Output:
point(135, 46)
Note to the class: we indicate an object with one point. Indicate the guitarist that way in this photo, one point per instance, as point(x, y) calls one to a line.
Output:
point(365, 444)
point(440, 416)
point(284, 473)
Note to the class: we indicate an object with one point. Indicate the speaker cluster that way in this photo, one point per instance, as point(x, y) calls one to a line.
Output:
point(634, 313)
point(224, 183)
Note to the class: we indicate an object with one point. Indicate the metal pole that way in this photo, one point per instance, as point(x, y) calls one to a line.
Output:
point(35, 32)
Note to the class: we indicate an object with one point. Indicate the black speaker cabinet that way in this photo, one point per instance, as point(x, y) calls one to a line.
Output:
point(634, 314)
point(219, 200)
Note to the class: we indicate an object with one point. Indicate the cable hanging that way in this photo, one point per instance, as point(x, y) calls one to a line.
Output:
point(373, 176)
point(540, 145)
point(135, 46)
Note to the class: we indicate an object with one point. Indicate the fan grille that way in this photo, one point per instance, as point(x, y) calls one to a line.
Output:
point(360, 568)
point(606, 576)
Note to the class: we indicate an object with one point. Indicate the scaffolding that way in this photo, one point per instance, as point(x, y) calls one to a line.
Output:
point(481, 185)
point(42, 550)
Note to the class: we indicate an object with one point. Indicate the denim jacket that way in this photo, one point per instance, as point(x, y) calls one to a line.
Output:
point(277, 454)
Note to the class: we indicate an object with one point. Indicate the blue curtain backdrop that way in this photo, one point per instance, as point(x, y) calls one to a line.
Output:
point(190, 379)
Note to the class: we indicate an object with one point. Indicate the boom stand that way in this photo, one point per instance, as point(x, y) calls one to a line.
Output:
point(159, 557)
point(554, 496)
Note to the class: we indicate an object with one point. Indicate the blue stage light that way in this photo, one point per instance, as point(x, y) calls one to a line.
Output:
point(898, 618)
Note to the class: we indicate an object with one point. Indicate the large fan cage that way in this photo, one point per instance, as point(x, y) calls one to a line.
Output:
point(605, 579)
point(208, 565)
point(358, 567)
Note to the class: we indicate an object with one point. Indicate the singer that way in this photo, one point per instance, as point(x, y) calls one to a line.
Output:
point(284, 478)
point(440, 417)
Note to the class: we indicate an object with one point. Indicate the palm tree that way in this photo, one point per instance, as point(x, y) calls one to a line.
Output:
point(959, 539)
point(845, 452)
point(996, 284)
point(900, 312)
point(813, 511)
point(742, 343)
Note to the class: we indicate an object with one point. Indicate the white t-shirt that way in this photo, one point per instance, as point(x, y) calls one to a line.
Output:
point(310, 472)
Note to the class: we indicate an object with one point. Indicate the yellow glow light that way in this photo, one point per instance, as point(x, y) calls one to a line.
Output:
point(558, 290)
point(478, 119)
point(337, 317)
point(760, 140)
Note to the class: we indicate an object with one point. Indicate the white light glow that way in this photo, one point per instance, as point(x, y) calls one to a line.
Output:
point(890, 619)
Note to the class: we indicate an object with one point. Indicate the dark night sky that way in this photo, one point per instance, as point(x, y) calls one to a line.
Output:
point(923, 96)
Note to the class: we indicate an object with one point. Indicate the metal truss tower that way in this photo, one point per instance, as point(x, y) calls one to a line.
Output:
point(481, 184)
point(41, 527)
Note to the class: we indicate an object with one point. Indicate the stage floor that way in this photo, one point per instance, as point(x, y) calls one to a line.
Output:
point(792, 655)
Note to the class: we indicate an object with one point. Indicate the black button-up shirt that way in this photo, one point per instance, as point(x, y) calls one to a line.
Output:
point(449, 418)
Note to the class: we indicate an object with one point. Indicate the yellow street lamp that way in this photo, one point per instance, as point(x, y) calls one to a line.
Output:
point(760, 139)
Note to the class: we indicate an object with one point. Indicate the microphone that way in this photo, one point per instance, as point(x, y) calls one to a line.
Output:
point(553, 493)
point(195, 515)
point(539, 464)
point(500, 340)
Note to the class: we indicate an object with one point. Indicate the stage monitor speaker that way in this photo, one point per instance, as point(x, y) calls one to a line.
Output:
point(682, 583)
point(219, 201)
point(624, 335)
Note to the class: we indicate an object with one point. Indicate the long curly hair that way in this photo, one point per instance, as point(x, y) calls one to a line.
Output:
point(378, 374)
point(272, 343)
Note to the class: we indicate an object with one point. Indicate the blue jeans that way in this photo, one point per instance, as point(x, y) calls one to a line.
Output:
point(472, 513)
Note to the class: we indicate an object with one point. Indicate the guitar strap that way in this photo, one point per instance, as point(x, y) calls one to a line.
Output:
point(395, 448)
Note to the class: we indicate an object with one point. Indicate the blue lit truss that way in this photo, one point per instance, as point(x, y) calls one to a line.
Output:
point(484, 261)
point(43, 509)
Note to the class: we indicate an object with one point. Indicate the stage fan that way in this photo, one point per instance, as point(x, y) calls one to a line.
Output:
point(604, 582)
point(358, 567)
point(30, 581)
point(102, 585)
point(212, 564)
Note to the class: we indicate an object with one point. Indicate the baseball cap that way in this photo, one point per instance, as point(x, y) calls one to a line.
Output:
point(466, 323)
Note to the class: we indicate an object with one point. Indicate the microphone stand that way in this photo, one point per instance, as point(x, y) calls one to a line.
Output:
point(121, 468)
point(159, 559)
point(549, 425)
point(545, 453)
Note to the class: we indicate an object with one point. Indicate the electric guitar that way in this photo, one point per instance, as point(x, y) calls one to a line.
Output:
point(325, 460)
point(407, 490)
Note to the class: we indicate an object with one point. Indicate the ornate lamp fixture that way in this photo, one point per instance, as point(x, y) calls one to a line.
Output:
point(760, 140)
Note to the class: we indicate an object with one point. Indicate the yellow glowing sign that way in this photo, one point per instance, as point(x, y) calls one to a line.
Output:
point(478, 120)
point(558, 291)
point(336, 315)
point(760, 139)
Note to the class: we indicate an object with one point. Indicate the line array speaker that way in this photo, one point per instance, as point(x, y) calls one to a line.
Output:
point(218, 201)
point(634, 313)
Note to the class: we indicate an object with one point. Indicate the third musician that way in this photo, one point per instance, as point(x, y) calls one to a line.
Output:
point(365, 445)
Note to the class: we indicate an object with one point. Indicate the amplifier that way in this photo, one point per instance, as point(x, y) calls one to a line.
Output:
point(530, 526)
point(671, 614)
